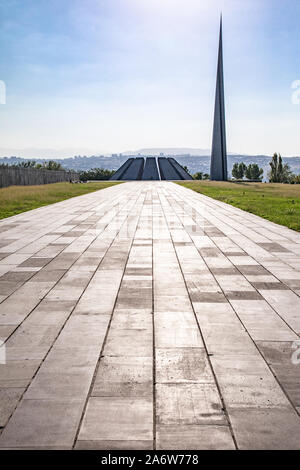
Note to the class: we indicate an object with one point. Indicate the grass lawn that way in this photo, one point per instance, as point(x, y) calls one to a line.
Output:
point(279, 203)
point(16, 199)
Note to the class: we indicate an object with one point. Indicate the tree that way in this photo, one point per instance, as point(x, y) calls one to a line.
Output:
point(52, 165)
point(238, 170)
point(254, 173)
point(27, 164)
point(198, 176)
point(186, 169)
point(279, 173)
point(235, 171)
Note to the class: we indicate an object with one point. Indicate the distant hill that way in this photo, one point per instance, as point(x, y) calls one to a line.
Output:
point(194, 163)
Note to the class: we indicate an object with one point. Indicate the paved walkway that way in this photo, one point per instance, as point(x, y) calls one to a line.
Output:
point(146, 315)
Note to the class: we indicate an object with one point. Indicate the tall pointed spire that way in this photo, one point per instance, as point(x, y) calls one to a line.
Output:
point(218, 163)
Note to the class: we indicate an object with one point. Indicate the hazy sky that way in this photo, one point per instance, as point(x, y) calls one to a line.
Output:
point(114, 75)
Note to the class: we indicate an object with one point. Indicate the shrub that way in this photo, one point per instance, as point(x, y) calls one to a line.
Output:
point(96, 174)
point(296, 179)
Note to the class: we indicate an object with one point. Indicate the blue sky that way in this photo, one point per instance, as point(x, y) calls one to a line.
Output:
point(112, 75)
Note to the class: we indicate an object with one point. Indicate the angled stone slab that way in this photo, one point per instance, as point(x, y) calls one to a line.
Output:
point(242, 261)
point(131, 319)
point(283, 359)
point(63, 261)
point(222, 339)
point(124, 376)
point(287, 304)
point(3, 297)
point(257, 270)
point(176, 330)
point(246, 382)
point(42, 423)
point(9, 399)
point(27, 336)
point(35, 261)
point(234, 283)
point(117, 418)
point(44, 276)
point(16, 277)
point(182, 365)
point(168, 303)
point(18, 373)
point(15, 308)
point(50, 312)
point(262, 322)
point(194, 437)
point(129, 343)
point(178, 404)
point(15, 259)
point(82, 331)
point(266, 428)
point(207, 297)
point(114, 445)
point(6, 331)
point(72, 385)
point(258, 280)
point(243, 295)
point(173, 337)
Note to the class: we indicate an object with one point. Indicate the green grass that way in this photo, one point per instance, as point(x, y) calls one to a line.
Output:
point(17, 199)
point(279, 203)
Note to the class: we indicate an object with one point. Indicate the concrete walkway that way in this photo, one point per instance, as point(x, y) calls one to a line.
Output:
point(148, 316)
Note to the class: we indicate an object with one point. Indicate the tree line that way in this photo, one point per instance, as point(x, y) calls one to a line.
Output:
point(252, 172)
point(279, 172)
point(95, 174)
point(49, 165)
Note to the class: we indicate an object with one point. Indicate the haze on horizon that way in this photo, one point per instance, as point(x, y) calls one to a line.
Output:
point(117, 75)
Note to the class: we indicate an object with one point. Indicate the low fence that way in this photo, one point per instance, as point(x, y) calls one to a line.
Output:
point(32, 176)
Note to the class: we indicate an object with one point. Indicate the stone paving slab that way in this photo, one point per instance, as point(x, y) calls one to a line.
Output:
point(148, 316)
